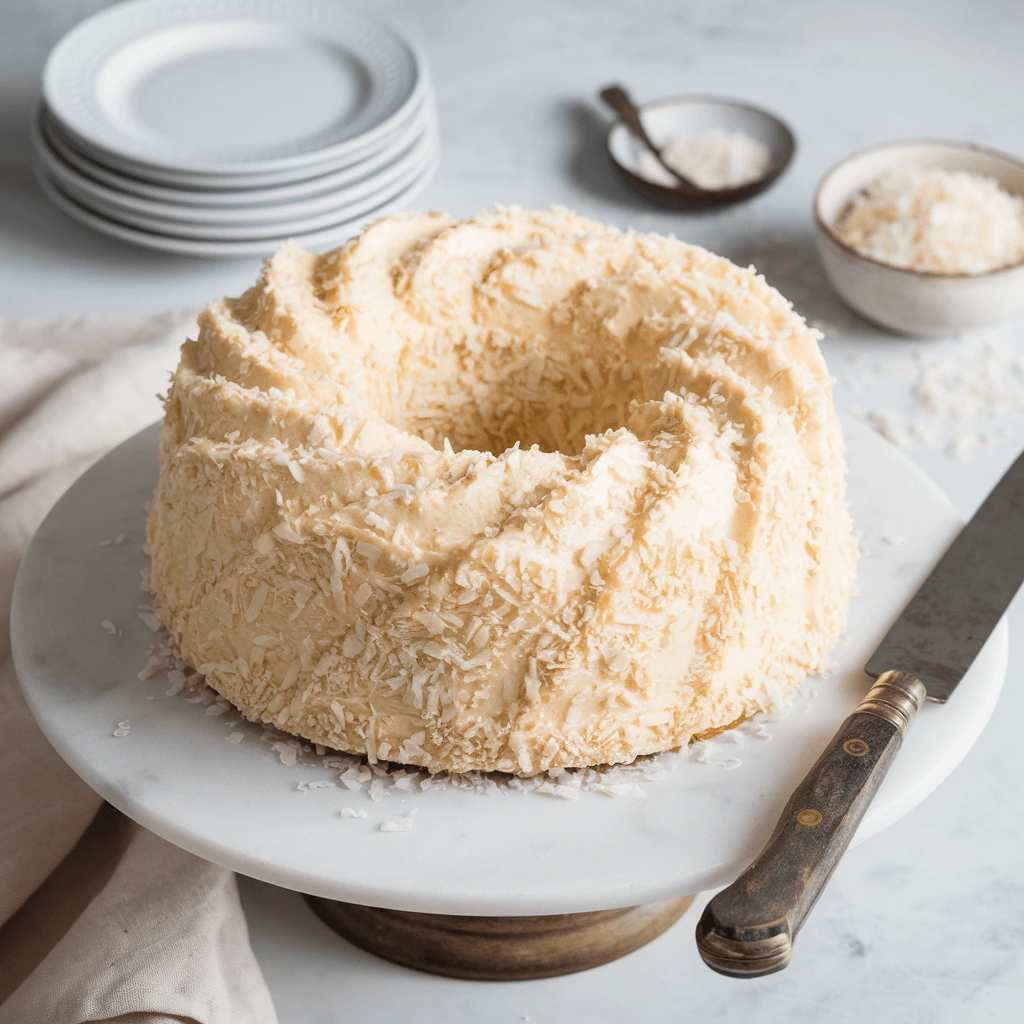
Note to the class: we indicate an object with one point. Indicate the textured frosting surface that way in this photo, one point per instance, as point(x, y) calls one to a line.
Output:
point(508, 493)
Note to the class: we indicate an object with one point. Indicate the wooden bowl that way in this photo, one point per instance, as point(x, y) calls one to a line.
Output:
point(694, 115)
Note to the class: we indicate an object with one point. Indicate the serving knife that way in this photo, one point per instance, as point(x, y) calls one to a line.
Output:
point(748, 929)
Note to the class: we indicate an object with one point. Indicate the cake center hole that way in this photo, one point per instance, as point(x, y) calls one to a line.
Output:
point(546, 395)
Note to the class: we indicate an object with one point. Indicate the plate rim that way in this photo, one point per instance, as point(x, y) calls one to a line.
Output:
point(169, 178)
point(201, 191)
point(118, 23)
point(230, 250)
point(377, 190)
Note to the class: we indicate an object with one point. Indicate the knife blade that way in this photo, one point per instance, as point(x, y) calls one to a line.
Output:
point(748, 929)
point(940, 632)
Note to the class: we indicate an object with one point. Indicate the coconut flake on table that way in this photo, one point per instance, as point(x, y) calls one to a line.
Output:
point(935, 221)
point(714, 160)
point(286, 753)
point(962, 395)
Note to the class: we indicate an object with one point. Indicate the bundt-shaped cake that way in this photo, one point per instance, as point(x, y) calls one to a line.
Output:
point(508, 493)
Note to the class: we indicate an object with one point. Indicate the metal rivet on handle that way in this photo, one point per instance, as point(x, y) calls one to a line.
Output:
point(809, 817)
point(856, 748)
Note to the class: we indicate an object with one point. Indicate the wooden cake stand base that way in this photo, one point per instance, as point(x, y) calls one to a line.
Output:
point(499, 948)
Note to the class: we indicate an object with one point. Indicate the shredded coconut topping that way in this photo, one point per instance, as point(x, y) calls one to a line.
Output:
point(941, 222)
point(512, 494)
point(378, 781)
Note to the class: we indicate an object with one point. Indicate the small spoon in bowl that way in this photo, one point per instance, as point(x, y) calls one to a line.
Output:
point(686, 117)
point(618, 99)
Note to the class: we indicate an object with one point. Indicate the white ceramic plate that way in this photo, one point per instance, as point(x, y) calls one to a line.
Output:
point(48, 139)
point(333, 235)
point(236, 223)
point(228, 86)
point(468, 852)
point(350, 162)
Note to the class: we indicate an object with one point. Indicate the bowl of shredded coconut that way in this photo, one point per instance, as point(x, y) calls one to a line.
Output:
point(925, 237)
point(730, 150)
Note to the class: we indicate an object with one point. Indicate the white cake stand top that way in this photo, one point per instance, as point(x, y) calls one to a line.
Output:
point(172, 769)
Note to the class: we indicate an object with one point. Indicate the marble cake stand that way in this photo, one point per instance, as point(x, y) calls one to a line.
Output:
point(492, 884)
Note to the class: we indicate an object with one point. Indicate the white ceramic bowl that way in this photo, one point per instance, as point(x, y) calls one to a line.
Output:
point(913, 301)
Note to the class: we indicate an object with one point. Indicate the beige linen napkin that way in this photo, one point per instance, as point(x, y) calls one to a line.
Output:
point(99, 919)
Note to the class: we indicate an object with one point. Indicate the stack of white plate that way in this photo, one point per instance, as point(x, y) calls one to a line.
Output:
point(225, 127)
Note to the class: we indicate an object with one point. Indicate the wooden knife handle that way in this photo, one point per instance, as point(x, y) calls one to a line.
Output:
point(748, 929)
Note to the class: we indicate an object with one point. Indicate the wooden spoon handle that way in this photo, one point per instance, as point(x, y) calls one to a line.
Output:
point(748, 929)
point(618, 99)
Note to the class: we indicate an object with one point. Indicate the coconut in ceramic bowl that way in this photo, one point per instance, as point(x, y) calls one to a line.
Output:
point(924, 237)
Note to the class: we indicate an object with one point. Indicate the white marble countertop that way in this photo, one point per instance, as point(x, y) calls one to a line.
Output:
point(924, 923)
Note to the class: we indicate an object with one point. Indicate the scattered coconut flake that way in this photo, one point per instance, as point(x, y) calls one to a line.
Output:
point(966, 446)
point(119, 539)
point(961, 391)
point(123, 728)
point(403, 824)
point(416, 571)
point(235, 737)
point(305, 786)
point(615, 788)
point(288, 754)
point(351, 778)
point(176, 682)
point(154, 665)
point(151, 620)
point(890, 427)
point(110, 627)
point(351, 812)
